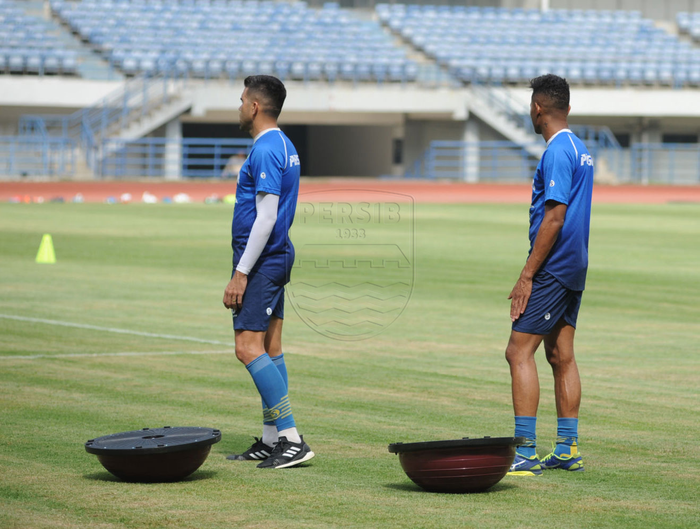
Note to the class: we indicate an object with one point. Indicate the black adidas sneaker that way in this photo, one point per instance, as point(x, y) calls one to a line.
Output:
point(257, 452)
point(287, 454)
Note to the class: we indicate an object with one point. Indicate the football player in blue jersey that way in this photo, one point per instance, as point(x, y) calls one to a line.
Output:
point(263, 255)
point(547, 296)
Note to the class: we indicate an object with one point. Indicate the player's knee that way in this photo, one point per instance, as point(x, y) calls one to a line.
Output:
point(559, 358)
point(245, 353)
point(514, 355)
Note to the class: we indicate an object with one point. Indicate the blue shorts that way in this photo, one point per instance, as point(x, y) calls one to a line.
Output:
point(261, 300)
point(549, 302)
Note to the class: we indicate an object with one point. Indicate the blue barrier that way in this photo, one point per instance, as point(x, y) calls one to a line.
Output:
point(643, 163)
point(162, 157)
point(30, 156)
point(670, 163)
point(475, 161)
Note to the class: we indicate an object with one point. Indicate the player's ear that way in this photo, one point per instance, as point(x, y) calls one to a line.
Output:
point(538, 108)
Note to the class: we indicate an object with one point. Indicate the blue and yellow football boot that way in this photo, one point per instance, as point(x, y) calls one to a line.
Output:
point(572, 461)
point(525, 466)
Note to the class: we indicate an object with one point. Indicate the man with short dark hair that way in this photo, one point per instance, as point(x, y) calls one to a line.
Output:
point(547, 296)
point(263, 255)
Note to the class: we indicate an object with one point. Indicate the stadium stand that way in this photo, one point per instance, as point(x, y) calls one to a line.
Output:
point(500, 45)
point(233, 39)
point(689, 23)
point(29, 47)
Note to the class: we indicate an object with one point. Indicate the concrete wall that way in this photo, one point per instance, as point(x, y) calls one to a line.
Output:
point(419, 134)
point(349, 150)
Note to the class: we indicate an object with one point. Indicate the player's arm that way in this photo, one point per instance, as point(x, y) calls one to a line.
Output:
point(266, 205)
point(552, 223)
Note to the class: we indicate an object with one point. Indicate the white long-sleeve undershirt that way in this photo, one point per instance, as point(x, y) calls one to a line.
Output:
point(266, 208)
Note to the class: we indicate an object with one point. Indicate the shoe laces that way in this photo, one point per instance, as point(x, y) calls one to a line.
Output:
point(280, 447)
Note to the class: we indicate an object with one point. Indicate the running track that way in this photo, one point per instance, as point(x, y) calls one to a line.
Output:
point(348, 190)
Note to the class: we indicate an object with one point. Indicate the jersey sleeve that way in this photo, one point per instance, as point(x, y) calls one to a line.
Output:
point(266, 167)
point(558, 170)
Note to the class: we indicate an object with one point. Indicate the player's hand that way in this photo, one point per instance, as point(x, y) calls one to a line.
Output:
point(520, 295)
point(233, 295)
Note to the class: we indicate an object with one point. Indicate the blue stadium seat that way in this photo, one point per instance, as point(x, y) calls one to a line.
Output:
point(34, 62)
point(504, 36)
point(331, 70)
point(15, 62)
point(298, 70)
point(347, 71)
point(232, 68)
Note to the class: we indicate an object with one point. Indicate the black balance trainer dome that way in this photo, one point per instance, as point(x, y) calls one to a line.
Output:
point(457, 465)
point(154, 454)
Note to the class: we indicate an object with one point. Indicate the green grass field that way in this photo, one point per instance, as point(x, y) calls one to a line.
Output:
point(438, 372)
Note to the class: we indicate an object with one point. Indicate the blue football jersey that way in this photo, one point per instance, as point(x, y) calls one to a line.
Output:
point(565, 175)
point(271, 167)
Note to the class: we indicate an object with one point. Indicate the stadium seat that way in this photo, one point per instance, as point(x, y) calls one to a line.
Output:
point(331, 70)
point(232, 68)
point(610, 41)
point(34, 63)
point(186, 30)
point(16, 63)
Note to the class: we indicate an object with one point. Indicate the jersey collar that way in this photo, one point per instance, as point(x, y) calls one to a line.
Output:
point(550, 139)
point(260, 134)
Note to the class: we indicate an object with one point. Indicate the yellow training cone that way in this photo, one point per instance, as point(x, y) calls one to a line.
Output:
point(46, 254)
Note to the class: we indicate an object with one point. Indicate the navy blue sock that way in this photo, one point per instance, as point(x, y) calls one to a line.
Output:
point(567, 437)
point(282, 368)
point(525, 427)
point(273, 391)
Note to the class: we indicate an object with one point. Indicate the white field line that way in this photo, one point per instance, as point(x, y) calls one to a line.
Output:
point(82, 355)
point(112, 329)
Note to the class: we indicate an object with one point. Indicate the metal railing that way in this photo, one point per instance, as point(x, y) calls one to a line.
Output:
point(112, 114)
point(670, 163)
point(31, 156)
point(644, 163)
point(502, 101)
point(475, 161)
point(161, 157)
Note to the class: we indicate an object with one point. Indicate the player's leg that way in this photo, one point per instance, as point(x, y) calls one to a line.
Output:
point(547, 304)
point(273, 346)
point(251, 323)
point(559, 348)
point(520, 354)
point(291, 448)
point(250, 347)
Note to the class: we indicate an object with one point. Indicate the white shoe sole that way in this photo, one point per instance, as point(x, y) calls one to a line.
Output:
point(298, 461)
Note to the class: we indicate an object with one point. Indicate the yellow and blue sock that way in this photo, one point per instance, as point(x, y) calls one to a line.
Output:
point(270, 433)
point(567, 437)
point(273, 390)
point(525, 427)
point(282, 368)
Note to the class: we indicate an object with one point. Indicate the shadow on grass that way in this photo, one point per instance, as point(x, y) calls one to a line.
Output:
point(106, 476)
point(232, 444)
point(412, 487)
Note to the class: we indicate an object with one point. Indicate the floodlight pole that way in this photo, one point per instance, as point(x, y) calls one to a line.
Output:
point(545, 5)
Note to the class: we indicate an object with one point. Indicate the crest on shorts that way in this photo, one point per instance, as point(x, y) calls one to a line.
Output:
point(353, 273)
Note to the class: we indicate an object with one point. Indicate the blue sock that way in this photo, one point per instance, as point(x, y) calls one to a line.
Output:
point(273, 391)
point(567, 437)
point(525, 427)
point(282, 368)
